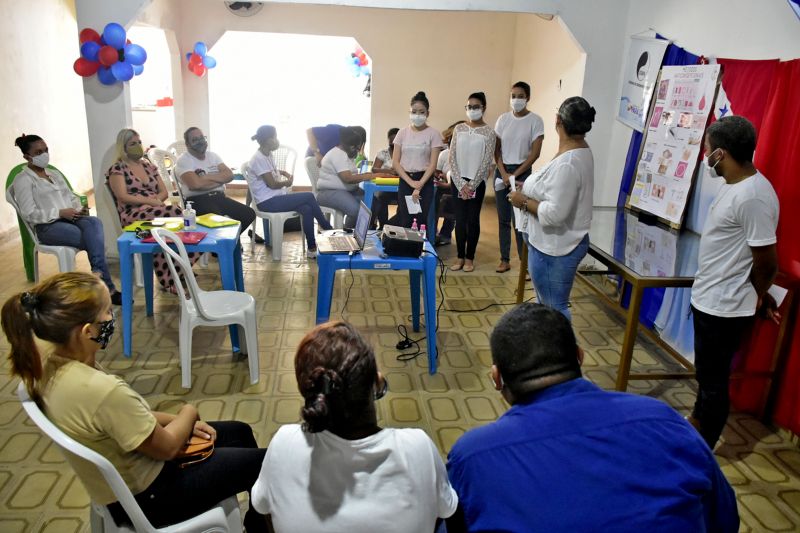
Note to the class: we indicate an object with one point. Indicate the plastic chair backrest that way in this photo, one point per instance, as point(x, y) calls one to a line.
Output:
point(313, 172)
point(285, 158)
point(177, 148)
point(75, 451)
point(165, 161)
point(164, 238)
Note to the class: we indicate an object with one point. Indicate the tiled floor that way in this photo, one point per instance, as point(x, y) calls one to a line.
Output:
point(39, 492)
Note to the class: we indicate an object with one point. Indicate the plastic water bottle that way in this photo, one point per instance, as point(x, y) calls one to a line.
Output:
point(189, 217)
point(414, 225)
point(423, 232)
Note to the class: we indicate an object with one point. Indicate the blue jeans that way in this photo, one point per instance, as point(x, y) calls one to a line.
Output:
point(348, 202)
point(553, 276)
point(305, 204)
point(505, 215)
point(85, 233)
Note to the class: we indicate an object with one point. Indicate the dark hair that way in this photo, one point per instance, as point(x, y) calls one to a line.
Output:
point(361, 133)
point(187, 132)
point(336, 371)
point(734, 134)
point(24, 142)
point(524, 86)
point(50, 310)
point(642, 60)
point(448, 132)
point(264, 132)
point(422, 99)
point(392, 131)
point(348, 136)
point(576, 115)
point(479, 96)
point(533, 346)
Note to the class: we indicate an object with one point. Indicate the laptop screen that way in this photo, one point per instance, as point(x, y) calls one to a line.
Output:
point(362, 225)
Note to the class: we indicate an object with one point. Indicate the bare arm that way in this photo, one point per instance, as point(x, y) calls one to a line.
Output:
point(431, 166)
point(398, 152)
point(765, 267)
point(351, 177)
point(165, 442)
point(117, 184)
point(498, 159)
point(378, 165)
point(536, 150)
point(204, 182)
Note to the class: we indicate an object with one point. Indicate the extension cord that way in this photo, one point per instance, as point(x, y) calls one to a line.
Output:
point(404, 344)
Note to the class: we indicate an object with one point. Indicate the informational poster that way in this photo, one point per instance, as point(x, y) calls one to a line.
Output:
point(650, 250)
point(641, 70)
point(671, 144)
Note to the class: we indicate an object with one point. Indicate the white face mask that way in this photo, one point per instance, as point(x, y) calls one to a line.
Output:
point(41, 160)
point(711, 169)
point(418, 120)
point(474, 114)
point(518, 104)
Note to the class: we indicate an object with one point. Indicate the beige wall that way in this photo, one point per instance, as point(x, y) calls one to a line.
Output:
point(39, 93)
point(546, 57)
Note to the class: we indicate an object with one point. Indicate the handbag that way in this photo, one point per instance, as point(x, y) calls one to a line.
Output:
point(196, 450)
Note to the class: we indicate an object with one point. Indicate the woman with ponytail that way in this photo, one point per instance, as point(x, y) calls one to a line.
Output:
point(73, 312)
point(339, 470)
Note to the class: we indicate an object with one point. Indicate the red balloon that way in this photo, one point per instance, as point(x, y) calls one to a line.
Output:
point(88, 34)
point(84, 67)
point(108, 55)
point(195, 59)
point(199, 70)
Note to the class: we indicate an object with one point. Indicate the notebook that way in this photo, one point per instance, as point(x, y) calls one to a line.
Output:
point(170, 223)
point(212, 220)
point(186, 237)
point(342, 244)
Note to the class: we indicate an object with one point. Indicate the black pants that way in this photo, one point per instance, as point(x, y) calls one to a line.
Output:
point(178, 494)
point(468, 221)
point(716, 340)
point(425, 199)
point(217, 202)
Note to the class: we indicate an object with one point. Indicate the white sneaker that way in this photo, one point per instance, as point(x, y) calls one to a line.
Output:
point(311, 254)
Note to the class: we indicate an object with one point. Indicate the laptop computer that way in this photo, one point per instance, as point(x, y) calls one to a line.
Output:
point(342, 244)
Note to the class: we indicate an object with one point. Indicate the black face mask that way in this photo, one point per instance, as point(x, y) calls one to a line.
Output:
point(105, 333)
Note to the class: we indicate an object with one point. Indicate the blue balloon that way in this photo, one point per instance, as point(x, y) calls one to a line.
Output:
point(356, 61)
point(138, 69)
point(122, 70)
point(105, 76)
point(89, 50)
point(135, 54)
point(209, 62)
point(114, 35)
point(188, 56)
point(200, 48)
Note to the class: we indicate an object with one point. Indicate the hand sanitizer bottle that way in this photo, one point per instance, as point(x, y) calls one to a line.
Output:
point(189, 217)
point(414, 225)
point(423, 231)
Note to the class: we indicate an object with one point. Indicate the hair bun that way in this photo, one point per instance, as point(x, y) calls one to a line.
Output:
point(420, 94)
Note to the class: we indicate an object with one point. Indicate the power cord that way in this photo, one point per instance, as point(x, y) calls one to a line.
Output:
point(352, 282)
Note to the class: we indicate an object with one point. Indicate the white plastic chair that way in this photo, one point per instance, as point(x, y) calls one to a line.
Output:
point(64, 254)
point(225, 517)
point(165, 161)
point(207, 308)
point(138, 273)
point(335, 217)
point(273, 222)
point(177, 148)
point(285, 158)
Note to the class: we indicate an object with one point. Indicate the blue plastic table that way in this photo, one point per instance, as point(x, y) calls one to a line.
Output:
point(371, 188)
point(370, 259)
point(222, 241)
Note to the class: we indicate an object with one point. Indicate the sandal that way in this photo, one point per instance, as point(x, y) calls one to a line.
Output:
point(503, 267)
point(469, 267)
point(458, 265)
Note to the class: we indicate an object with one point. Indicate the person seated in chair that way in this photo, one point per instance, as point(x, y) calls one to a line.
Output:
point(101, 411)
point(269, 187)
point(47, 203)
point(569, 456)
point(202, 176)
point(339, 470)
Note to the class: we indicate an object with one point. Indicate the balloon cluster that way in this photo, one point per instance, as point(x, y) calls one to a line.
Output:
point(199, 62)
point(359, 64)
point(111, 55)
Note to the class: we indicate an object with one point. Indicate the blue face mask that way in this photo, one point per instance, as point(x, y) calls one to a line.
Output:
point(105, 333)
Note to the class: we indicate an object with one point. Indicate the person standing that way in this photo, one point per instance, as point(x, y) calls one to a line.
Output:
point(520, 134)
point(471, 155)
point(557, 202)
point(383, 166)
point(416, 151)
point(737, 262)
point(203, 176)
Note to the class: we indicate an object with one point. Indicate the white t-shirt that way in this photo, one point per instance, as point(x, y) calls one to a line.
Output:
point(189, 163)
point(443, 163)
point(517, 135)
point(336, 161)
point(391, 482)
point(259, 165)
point(564, 187)
point(742, 215)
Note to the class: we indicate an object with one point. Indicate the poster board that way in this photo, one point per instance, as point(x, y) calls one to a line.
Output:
point(645, 55)
point(671, 145)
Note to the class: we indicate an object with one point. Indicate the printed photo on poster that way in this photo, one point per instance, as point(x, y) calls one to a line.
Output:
point(639, 78)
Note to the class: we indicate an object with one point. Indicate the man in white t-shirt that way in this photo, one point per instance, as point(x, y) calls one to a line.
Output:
point(737, 262)
point(519, 134)
point(202, 176)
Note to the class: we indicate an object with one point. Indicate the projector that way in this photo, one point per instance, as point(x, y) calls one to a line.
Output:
point(402, 242)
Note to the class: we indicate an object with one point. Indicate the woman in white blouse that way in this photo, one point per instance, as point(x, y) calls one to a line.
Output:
point(556, 204)
point(339, 470)
point(47, 203)
point(471, 157)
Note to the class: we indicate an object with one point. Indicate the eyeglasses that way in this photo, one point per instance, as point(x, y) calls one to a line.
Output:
point(473, 107)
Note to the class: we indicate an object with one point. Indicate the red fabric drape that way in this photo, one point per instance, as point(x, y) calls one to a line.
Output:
point(778, 158)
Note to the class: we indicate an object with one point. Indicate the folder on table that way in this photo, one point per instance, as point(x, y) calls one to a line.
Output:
point(170, 223)
point(212, 220)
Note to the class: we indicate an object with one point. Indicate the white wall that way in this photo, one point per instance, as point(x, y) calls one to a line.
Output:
point(39, 93)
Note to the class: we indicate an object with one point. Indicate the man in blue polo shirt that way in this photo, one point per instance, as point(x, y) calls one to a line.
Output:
point(569, 456)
